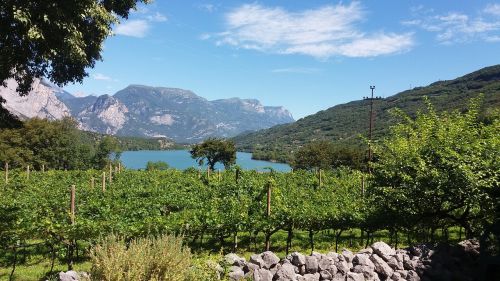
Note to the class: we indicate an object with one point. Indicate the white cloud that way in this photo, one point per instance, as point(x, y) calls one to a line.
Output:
point(205, 36)
point(493, 9)
point(301, 70)
point(323, 32)
point(133, 28)
point(207, 7)
point(456, 27)
point(157, 17)
point(140, 27)
point(100, 76)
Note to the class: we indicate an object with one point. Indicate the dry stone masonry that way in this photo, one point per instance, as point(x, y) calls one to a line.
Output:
point(378, 262)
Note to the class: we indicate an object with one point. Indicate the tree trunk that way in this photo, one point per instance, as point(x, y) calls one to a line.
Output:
point(337, 236)
point(52, 258)
point(221, 240)
point(268, 240)
point(235, 241)
point(11, 276)
point(289, 240)
point(367, 239)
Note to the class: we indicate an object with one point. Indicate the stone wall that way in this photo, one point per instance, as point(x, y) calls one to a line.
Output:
point(378, 262)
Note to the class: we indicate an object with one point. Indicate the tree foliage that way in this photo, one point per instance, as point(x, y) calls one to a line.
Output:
point(156, 166)
point(214, 150)
point(326, 155)
point(55, 145)
point(440, 169)
point(55, 39)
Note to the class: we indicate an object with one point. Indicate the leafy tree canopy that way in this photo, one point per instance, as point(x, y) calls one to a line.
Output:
point(55, 145)
point(441, 169)
point(156, 166)
point(55, 39)
point(325, 155)
point(215, 150)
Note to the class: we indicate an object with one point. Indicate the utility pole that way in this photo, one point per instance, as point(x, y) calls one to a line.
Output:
point(370, 130)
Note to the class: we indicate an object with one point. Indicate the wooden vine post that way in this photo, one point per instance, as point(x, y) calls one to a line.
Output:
point(103, 182)
point(320, 175)
point(28, 172)
point(72, 205)
point(268, 210)
point(6, 172)
point(208, 173)
point(219, 175)
point(119, 167)
point(363, 186)
point(92, 183)
point(110, 173)
point(43, 168)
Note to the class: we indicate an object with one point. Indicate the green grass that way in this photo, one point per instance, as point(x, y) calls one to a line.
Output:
point(38, 269)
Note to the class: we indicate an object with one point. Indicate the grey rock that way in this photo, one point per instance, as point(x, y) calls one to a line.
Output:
point(234, 259)
point(402, 273)
point(363, 259)
point(410, 264)
point(250, 267)
point(412, 276)
point(342, 267)
point(317, 255)
point(367, 271)
point(368, 251)
point(383, 250)
point(333, 255)
point(286, 272)
point(394, 263)
point(327, 264)
point(470, 246)
point(69, 276)
point(302, 269)
point(299, 277)
point(348, 255)
point(257, 259)
point(381, 267)
point(298, 259)
point(311, 264)
point(352, 276)
point(236, 273)
point(277, 267)
point(262, 275)
point(311, 277)
point(339, 277)
point(270, 259)
point(326, 275)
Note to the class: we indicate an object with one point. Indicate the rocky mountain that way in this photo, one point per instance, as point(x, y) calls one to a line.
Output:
point(346, 123)
point(148, 112)
point(42, 101)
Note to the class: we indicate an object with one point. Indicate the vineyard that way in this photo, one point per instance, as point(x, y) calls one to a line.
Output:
point(434, 179)
point(61, 213)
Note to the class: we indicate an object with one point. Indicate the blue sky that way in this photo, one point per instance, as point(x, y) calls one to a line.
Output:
point(304, 55)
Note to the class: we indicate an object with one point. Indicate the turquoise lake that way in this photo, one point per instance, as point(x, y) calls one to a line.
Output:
point(181, 159)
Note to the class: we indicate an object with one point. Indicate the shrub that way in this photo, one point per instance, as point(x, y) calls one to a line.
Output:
point(158, 165)
point(162, 258)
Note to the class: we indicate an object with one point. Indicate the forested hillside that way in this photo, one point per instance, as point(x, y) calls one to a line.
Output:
point(347, 124)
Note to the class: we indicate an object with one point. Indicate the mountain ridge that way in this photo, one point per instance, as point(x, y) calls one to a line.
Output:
point(146, 111)
point(345, 123)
